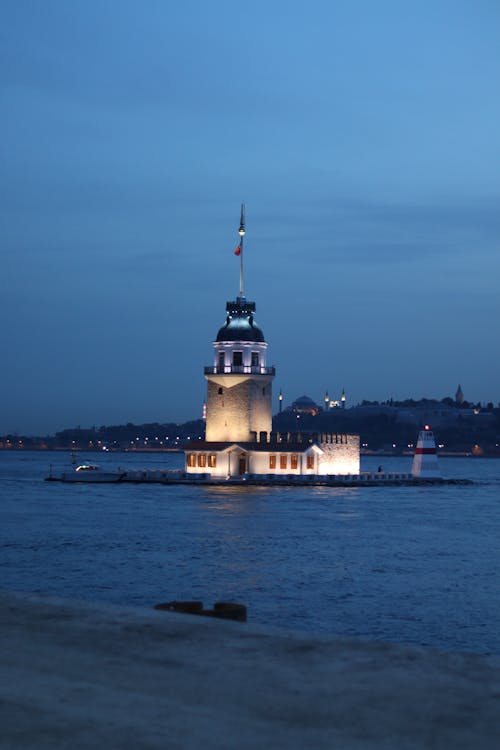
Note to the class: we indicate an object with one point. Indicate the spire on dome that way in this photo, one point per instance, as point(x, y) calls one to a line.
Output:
point(241, 232)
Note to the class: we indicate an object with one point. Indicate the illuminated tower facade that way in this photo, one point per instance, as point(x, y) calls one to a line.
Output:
point(239, 383)
point(239, 440)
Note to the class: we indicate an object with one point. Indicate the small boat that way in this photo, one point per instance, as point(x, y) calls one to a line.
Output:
point(86, 472)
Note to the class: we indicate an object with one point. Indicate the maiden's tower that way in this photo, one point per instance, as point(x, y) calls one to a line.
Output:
point(240, 440)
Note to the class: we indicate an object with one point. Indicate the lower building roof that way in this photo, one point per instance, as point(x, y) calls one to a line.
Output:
point(204, 445)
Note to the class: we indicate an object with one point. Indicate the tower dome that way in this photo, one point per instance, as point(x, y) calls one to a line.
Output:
point(240, 323)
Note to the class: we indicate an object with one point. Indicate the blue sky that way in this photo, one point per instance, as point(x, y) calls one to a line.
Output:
point(363, 138)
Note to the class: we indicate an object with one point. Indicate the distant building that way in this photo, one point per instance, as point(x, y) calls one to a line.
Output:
point(332, 403)
point(435, 413)
point(305, 405)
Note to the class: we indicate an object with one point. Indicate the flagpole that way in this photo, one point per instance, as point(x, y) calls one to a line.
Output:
point(241, 232)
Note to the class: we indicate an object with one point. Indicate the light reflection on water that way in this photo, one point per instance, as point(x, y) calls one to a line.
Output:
point(404, 564)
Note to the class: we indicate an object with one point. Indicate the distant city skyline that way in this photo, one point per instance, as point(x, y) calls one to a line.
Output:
point(293, 405)
point(363, 139)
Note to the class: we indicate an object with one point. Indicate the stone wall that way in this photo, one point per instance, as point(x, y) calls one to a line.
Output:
point(239, 409)
point(341, 454)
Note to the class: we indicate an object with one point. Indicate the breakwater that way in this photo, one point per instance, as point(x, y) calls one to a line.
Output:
point(157, 476)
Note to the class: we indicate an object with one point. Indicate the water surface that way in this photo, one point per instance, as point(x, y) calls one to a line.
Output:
point(406, 564)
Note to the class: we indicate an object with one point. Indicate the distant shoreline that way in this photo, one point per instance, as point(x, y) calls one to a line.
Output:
point(363, 452)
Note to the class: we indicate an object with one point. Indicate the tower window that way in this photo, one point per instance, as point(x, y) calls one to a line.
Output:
point(237, 359)
point(220, 391)
point(221, 360)
point(263, 391)
point(255, 359)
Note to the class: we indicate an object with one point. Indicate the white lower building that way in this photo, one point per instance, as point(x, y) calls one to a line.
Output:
point(336, 454)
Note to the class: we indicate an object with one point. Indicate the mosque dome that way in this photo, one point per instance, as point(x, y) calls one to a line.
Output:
point(305, 405)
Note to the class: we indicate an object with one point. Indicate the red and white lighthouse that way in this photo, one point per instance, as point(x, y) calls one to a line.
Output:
point(425, 462)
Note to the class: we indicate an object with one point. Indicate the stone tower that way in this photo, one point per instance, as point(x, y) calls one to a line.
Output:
point(239, 384)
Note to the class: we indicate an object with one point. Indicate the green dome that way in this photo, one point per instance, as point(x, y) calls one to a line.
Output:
point(240, 324)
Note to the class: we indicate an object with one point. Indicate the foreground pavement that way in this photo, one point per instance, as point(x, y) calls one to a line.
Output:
point(74, 675)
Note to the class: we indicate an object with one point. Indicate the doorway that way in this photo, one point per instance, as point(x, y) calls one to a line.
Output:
point(242, 465)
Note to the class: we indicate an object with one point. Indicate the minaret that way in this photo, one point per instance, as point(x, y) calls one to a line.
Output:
point(280, 399)
point(459, 395)
point(239, 387)
point(327, 401)
point(343, 398)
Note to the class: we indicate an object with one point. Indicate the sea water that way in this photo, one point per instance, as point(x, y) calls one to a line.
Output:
point(417, 565)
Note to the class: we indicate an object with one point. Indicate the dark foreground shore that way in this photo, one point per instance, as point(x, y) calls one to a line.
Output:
point(75, 675)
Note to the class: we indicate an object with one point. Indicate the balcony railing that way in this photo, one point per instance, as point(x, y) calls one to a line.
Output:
point(240, 370)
